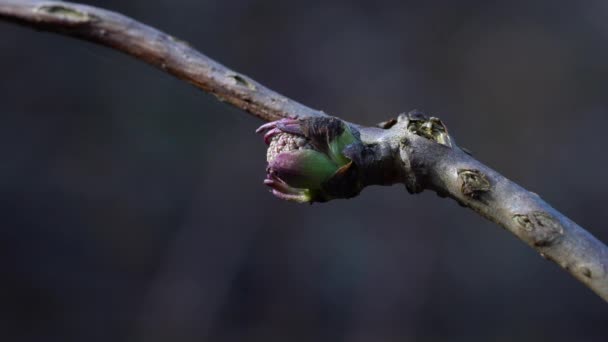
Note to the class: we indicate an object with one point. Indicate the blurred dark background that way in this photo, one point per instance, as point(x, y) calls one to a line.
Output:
point(133, 207)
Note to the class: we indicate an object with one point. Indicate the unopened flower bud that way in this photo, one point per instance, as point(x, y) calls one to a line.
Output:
point(306, 160)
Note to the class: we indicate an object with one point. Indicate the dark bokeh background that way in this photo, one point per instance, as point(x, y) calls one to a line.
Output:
point(133, 207)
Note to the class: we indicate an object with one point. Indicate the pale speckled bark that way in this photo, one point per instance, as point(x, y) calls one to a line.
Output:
point(452, 172)
point(157, 48)
point(412, 150)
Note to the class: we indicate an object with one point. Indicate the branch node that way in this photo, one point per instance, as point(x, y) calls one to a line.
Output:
point(241, 80)
point(540, 228)
point(430, 128)
point(65, 13)
point(586, 272)
point(474, 183)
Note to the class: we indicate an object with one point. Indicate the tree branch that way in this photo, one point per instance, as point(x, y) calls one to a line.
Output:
point(157, 48)
point(413, 149)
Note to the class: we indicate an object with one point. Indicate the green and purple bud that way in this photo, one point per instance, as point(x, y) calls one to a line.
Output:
point(307, 161)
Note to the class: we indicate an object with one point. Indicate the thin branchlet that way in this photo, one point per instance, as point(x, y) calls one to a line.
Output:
point(411, 149)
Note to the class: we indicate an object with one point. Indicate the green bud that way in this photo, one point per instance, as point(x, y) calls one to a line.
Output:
point(306, 160)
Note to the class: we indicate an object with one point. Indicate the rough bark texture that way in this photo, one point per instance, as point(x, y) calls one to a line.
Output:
point(412, 149)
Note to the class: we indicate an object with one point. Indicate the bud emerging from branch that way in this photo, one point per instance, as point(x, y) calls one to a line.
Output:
point(307, 160)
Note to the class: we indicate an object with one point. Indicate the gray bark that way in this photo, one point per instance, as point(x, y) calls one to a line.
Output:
point(412, 149)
